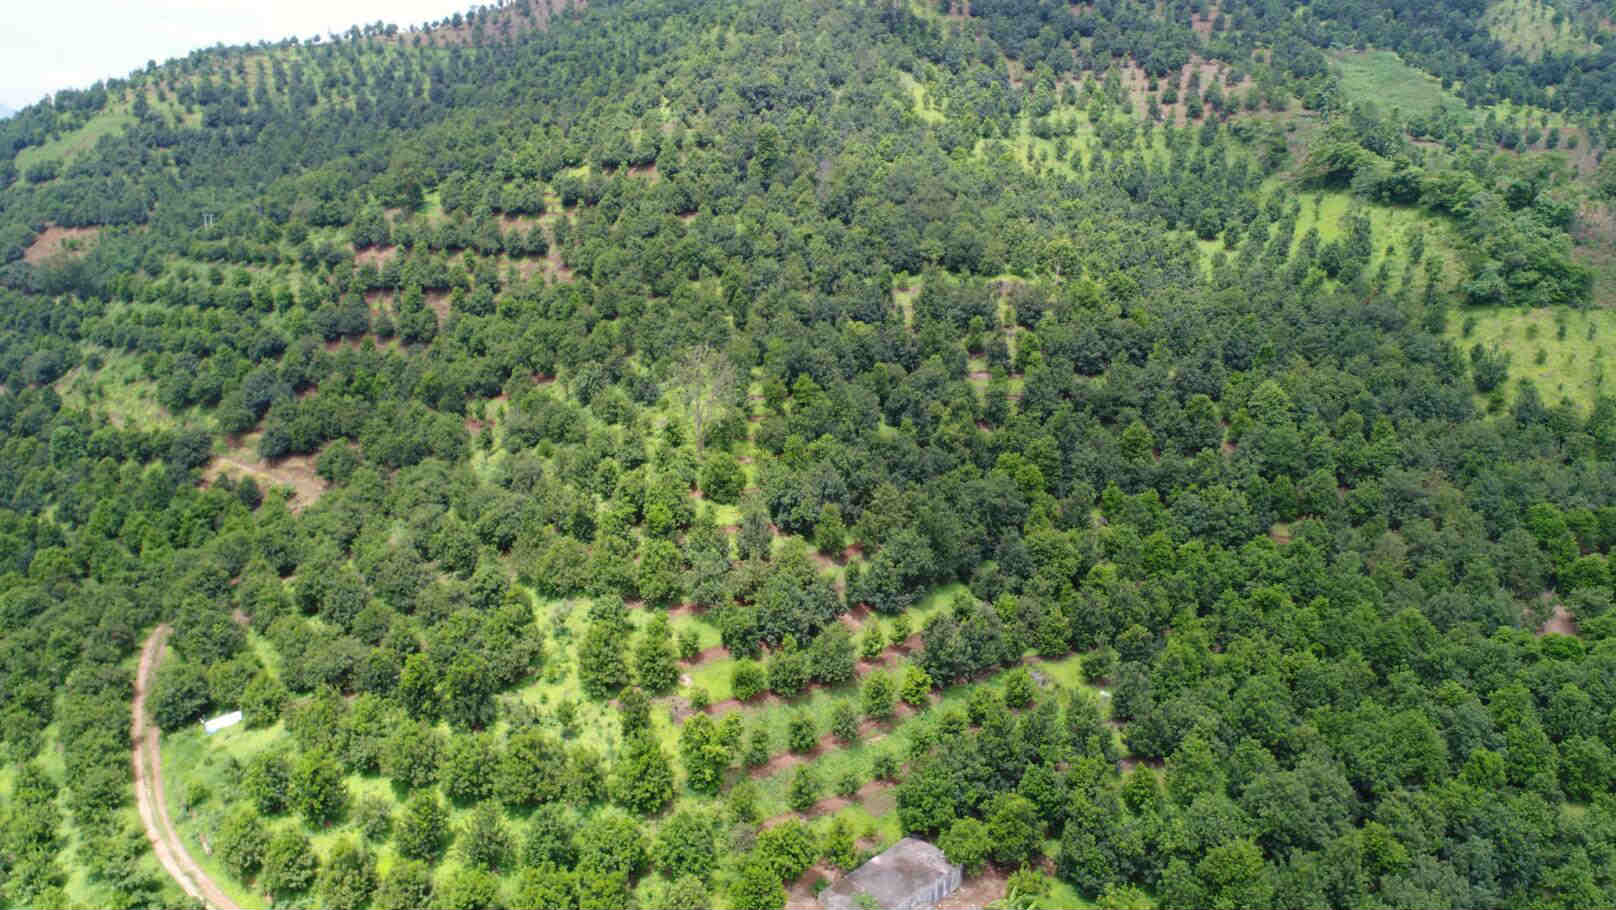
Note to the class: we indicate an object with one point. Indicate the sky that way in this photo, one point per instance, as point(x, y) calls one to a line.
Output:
point(55, 44)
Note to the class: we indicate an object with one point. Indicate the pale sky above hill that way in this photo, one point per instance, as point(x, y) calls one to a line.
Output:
point(47, 45)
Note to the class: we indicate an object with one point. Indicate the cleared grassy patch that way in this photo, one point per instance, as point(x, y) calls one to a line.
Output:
point(1383, 78)
point(1532, 29)
point(1568, 364)
point(109, 122)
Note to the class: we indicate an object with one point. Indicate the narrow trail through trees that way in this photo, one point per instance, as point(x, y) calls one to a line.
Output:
point(148, 765)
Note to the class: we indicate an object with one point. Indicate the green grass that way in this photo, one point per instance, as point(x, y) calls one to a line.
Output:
point(1393, 225)
point(1573, 367)
point(109, 122)
point(1383, 78)
point(1528, 28)
point(214, 762)
point(119, 389)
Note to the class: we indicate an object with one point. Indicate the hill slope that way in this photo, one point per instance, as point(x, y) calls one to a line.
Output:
point(664, 452)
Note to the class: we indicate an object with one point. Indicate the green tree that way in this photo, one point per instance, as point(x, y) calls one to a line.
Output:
point(267, 781)
point(917, 685)
point(318, 790)
point(642, 780)
point(685, 893)
point(802, 735)
point(601, 669)
point(546, 886)
point(467, 692)
point(469, 888)
point(757, 887)
point(880, 696)
point(484, 840)
point(804, 791)
point(1015, 829)
point(423, 828)
point(611, 843)
point(469, 767)
point(532, 769)
point(412, 754)
point(747, 680)
point(348, 877)
point(289, 864)
point(407, 886)
point(686, 845)
point(179, 695)
point(967, 843)
point(703, 754)
point(1233, 876)
point(844, 721)
point(242, 842)
point(654, 660)
point(373, 815)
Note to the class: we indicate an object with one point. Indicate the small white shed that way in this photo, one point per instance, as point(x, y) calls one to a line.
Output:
point(214, 724)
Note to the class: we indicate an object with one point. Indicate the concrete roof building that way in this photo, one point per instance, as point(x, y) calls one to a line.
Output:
point(912, 875)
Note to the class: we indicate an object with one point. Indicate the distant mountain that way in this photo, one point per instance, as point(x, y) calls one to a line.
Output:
point(6, 112)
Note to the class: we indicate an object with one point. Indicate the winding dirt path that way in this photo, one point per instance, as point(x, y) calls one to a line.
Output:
point(148, 765)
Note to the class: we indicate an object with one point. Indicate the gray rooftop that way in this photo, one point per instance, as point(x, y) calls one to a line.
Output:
point(911, 875)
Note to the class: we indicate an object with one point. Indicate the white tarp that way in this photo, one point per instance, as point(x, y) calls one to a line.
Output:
point(216, 724)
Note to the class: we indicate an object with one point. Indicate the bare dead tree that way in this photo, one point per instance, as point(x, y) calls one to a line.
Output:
point(704, 379)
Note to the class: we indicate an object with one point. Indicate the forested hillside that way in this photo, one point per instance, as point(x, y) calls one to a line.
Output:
point(660, 453)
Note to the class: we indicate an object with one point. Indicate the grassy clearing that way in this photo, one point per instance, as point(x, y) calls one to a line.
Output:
point(1393, 227)
point(118, 389)
point(1383, 78)
point(1529, 28)
point(1569, 367)
point(113, 120)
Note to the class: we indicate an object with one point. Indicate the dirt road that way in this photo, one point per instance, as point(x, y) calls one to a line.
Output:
point(165, 840)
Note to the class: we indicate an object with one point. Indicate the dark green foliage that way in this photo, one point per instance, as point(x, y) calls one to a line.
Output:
point(804, 790)
point(348, 876)
point(373, 815)
point(685, 845)
point(1252, 479)
point(968, 843)
point(748, 680)
point(411, 755)
point(179, 695)
point(468, 889)
point(844, 723)
point(289, 864)
point(242, 842)
point(407, 885)
point(757, 887)
point(422, 829)
point(801, 733)
point(531, 770)
point(318, 791)
point(655, 666)
point(601, 667)
point(550, 838)
point(879, 695)
point(642, 779)
point(267, 781)
point(484, 839)
point(610, 842)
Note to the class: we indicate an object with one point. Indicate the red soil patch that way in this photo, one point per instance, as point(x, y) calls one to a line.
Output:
point(980, 891)
point(439, 302)
point(716, 652)
point(1560, 623)
point(60, 241)
point(294, 471)
point(800, 894)
point(374, 255)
